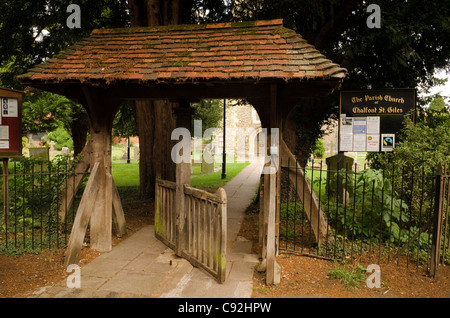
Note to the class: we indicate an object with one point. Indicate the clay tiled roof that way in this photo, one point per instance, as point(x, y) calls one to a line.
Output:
point(248, 51)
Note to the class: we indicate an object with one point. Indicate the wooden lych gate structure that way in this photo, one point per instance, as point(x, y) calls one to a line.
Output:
point(263, 62)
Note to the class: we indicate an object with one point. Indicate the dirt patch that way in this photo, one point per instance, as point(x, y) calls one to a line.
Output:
point(304, 276)
point(26, 273)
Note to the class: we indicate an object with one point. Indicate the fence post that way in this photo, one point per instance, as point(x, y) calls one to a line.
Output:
point(5, 195)
point(222, 259)
point(437, 219)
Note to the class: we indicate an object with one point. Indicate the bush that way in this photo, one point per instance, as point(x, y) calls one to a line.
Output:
point(61, 138)
point(319, 149)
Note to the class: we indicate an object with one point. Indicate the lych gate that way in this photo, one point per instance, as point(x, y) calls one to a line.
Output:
point(268, 65)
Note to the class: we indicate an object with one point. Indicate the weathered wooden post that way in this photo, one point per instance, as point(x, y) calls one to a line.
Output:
point(96, 205)
point(271, 187)
point(183, 176)
point(222, 270)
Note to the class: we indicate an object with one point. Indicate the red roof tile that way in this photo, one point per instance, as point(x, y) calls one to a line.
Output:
point(188, 53)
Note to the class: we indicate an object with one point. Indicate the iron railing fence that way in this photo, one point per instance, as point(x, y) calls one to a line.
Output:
point(372, 215)
point(35, 213)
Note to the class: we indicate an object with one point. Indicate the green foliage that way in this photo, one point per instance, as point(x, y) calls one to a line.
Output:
point(32, 31)
point(209, 111)
point(61, 138)
point(33, 220)
point(413, 41)
point(437, 105)
point(423, 144)
point(319, 149)
point(351, 277)
point(44, 111)
point(374, 209)
point(125, 122)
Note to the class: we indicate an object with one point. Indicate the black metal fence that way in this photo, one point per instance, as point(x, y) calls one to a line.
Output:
point(372, 216)
point(39, 204)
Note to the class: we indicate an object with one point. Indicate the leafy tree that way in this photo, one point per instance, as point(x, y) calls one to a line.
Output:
point(437, 105)
point(319, 149)
point(125, 122)
point(33, 31)
point(61, 138)
point(209, 111)
point(413, 42)
point(423, 144)
point(44, 111)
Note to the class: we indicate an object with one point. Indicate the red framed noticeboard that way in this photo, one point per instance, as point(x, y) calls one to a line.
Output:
point(10, 123)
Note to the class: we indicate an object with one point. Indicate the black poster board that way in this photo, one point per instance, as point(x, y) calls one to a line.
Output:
point(370, 120)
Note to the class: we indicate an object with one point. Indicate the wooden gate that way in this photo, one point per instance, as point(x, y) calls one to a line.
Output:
point(199, 232)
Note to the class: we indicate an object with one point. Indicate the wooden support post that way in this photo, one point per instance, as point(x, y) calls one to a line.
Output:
point(82, 217)
point(270, 187)
point(102, 110)
point(69, 190)
point(183, 177)
point(223, 242)
point(262, 220)
point(306, 194)
point(273, 272)
point(101, 218)
point(117, 212)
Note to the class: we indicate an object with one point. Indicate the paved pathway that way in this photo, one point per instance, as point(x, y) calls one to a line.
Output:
point(142, 266)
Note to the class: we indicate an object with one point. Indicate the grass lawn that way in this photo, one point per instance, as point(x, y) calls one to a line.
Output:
point(213, 181)
point(126, 175)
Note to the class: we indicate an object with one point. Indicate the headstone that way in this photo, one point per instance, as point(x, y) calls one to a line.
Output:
point(40, 153)
point(207, 162)
point(136, 153)
point(332, 168)
point(125, 154)
point(65, 151)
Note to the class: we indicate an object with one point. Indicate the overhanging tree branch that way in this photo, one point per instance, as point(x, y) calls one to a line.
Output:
point(335, 23)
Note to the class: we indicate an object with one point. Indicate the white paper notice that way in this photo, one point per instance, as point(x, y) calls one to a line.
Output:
point(373, 143)
point(346, 134)
point(346, 143)
point(4, 132)
point(4, 144)
point(373, 125)
point(346, 125)
point(359, 142)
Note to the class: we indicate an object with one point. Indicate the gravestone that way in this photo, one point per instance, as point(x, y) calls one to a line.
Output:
point(65, 151)
point(207, 162)
point(332, 169)
point(40, 153)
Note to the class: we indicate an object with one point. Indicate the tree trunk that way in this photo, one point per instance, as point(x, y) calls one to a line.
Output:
point(155, 119)
point(165, 123)
point(146, 129)
point(79, 129)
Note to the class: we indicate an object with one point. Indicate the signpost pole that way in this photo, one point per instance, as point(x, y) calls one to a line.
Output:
point(224, 153)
